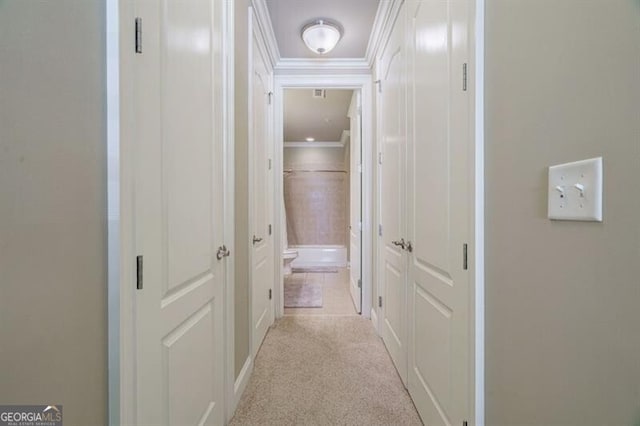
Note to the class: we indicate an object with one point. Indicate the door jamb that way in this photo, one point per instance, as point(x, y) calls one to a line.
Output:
point(362, 82)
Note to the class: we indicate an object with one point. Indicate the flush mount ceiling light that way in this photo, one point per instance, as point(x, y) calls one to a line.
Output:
point(321, 36)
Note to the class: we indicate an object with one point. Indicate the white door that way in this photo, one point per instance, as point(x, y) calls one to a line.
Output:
point(262, 274)
point(355, 204)
point(178, 216)
point(439, 212)
point(393, 140)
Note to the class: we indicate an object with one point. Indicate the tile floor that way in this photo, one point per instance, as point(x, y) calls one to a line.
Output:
point(336, 298)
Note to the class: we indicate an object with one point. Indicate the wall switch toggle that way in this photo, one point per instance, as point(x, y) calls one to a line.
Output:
point(575, 191)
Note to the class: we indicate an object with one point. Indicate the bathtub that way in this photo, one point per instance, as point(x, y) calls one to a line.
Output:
point(320, 256)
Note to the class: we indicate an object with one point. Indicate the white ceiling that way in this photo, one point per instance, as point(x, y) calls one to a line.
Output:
point(322, 119)
point(356, 17)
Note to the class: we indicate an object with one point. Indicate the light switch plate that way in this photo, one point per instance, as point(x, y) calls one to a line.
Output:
point(575, 191)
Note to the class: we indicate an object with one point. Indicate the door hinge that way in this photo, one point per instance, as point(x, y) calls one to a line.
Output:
point(270, 96)
point(464, 77)
point(380, 301)
point(269, 163)
point(380, 158)
point(379, 83)
point(465, 423)
point(380, 230)
point(138, 30)
point(139, 273)
point(270, 230)
point(465, 263)
point(360, 226)
point(270, 294)
point(359, 283)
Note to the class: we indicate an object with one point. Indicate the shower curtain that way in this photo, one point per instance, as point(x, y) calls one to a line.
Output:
point(316, 207)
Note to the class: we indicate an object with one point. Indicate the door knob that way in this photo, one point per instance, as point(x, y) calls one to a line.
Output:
point(223, 251)
point(400, 243)
point(408, 247)
point(256, 239)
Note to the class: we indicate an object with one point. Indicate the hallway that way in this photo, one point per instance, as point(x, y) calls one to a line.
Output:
point(317, 370)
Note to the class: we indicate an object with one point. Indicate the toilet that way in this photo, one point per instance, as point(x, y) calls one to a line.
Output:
point(289, 254)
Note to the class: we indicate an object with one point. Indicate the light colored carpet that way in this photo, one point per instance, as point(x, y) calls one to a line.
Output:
point(324, 371)
point(302, 295)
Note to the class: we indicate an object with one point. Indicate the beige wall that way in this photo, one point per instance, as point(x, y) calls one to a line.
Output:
point(53, 319)
point(562, 298)
point(241, 259)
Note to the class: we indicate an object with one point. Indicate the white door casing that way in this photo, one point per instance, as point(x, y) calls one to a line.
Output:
point(355, 201)
point(178, 216)
point(260, 190)
point(439, 201)
point(392, 116)
point(362, 83)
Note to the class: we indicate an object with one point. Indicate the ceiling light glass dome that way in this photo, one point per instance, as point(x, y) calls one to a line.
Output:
point(321, 36)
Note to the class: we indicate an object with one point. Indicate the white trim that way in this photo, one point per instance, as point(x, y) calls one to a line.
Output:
point(346, 135)
point(113, 208)
point(326, 64)
point(379, 23)
point(240, 385)
point(374, 320)
point(263, 19)
point(337, 81)
point(313, 144)
point(255, 33)
point(383, 25)
point(228, 131)
point(126, 256)
point(477, 46)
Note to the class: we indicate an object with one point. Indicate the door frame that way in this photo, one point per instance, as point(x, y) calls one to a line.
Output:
point(363, 83)
point(255, 32)
point(121, 137)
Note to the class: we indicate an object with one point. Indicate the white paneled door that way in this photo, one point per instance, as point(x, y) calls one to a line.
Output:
point(355, 204)
point(178, 220)
point(260, 190)
point(439, 209)
point(392, 116)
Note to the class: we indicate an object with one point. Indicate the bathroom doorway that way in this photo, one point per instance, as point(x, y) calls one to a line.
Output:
point(321, 220)
point(351, 86)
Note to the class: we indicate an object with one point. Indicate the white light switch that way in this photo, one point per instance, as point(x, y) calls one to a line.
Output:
point(575, 191)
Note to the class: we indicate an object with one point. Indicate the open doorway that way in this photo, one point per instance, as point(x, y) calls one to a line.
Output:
point(324, 193)
point(321, 214)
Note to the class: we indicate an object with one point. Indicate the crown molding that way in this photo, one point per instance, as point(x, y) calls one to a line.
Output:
point(266, 29)
point(382, 25)
point(339, 64)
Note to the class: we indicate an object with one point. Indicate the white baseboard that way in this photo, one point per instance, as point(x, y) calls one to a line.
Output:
point(241, 383)
point(374, 319)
